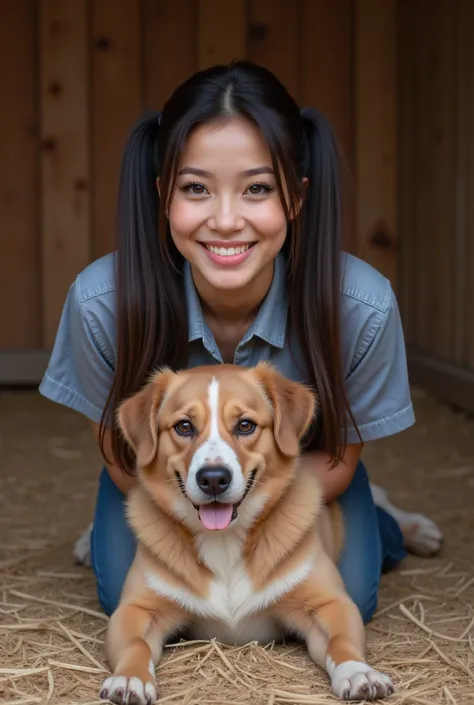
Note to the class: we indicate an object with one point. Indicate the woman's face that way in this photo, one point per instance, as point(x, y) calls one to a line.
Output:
point(225, 214)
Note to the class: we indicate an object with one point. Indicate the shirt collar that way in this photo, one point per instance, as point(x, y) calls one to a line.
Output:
point(270, 322)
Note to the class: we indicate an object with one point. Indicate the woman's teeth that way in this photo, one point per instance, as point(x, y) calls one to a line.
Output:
point(228, 251)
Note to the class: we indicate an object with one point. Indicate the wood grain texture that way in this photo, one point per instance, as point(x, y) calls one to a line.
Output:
point(376, 146)
point(170, 40)
point(221, 31)
point(273, 30)
point(117, 87)
point(407, 135)
point(326, 83)
point(435, 177)
point(65, 164)
point(464, 262)
point(20, 299)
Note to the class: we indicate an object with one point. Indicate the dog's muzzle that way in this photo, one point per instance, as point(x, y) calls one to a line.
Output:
point(213, 481)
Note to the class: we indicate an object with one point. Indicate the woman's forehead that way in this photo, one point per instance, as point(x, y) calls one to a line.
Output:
point(235, 143)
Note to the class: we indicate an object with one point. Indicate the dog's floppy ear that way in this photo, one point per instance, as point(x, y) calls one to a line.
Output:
point(137, 417)
point(293, 406)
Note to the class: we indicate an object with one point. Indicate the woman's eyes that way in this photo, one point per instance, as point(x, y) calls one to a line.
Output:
point(259, 189)
point(196, 189)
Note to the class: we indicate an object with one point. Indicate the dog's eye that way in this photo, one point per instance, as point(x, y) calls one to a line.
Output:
point(245, 427)
point(184, 428)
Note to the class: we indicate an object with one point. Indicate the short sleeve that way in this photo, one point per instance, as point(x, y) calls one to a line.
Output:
point(80, 370)
point(377, 384)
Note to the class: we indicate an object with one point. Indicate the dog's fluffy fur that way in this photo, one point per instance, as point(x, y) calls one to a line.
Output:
point(234, 541)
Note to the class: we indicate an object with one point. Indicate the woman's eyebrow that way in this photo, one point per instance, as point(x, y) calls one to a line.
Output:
point(258, 170)
point(208, 175)
point(195, 172)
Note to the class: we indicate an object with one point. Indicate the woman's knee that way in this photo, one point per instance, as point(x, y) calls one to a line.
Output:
point(360, 564)
point(108, 593)
point(365, 594)
point(113, 545)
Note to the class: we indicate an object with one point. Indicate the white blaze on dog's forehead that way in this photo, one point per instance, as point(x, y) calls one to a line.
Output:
point(215, 450)
point(213, 396)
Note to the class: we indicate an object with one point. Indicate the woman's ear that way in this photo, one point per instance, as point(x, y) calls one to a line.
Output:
point(296, 211)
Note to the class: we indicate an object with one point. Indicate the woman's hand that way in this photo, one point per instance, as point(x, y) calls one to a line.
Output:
point(334, 480)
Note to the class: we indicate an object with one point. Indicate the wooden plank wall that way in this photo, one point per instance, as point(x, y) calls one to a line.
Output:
point(436, 186)
point(20, 273)
point(376, 27)
point(82, 71)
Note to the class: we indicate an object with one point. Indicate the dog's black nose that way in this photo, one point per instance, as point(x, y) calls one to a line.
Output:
point(213, 479)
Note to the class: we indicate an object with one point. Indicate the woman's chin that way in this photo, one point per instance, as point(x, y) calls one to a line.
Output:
point(228, 280)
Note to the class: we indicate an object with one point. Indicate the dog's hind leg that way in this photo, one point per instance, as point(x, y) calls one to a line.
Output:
point(134, 646)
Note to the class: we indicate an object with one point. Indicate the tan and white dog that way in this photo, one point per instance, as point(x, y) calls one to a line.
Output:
point(234, 541)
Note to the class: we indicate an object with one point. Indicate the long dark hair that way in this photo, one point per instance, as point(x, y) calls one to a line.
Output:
point(151, 308)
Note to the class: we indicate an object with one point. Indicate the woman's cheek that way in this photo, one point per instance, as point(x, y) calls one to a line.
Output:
point(269, 219)
point(185, 218)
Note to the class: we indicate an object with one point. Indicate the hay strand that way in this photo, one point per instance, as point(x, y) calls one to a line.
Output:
point(81, 648)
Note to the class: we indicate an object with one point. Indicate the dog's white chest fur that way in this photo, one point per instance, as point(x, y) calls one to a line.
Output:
point(232, 610)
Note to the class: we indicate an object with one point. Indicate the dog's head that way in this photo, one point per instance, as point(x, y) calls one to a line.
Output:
point(209, 438)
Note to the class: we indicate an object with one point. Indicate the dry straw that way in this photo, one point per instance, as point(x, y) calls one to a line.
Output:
point(52, 630)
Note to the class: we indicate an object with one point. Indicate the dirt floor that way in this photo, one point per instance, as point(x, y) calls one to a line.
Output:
point(51, 629)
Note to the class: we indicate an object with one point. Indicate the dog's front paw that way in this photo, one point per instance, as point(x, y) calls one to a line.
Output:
point(353, 680)
point(128, 691)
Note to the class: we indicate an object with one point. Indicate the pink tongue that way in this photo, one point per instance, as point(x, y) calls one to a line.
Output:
point(216, 516)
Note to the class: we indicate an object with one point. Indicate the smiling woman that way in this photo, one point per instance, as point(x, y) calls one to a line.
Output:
point(229, 251)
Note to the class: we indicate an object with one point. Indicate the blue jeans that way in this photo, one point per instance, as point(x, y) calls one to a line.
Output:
point(374, 544)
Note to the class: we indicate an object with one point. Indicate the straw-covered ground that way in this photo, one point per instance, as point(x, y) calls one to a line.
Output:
point(51, 629)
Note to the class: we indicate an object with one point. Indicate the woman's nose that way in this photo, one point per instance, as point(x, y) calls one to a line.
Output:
point(226, 216)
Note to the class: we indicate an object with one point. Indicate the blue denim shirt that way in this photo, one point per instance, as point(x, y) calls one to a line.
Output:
point(81, 368)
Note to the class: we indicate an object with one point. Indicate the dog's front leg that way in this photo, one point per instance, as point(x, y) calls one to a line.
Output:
point(134, 645)
point(332, 627)
point(351, 676)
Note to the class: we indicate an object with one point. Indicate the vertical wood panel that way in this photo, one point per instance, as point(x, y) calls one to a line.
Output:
point(422, 162)
point(273, 39)
point(222, 31)
point(465, 186)
point(65, 155)
point(19, 228)
point(117, 103)
point(442, 240)
point(436, 116)
point(406, 165)
point(376, 134)
point(460, 241)
point(326, 58)
point(170, 31)
point(437, 182)
point(468, 40)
